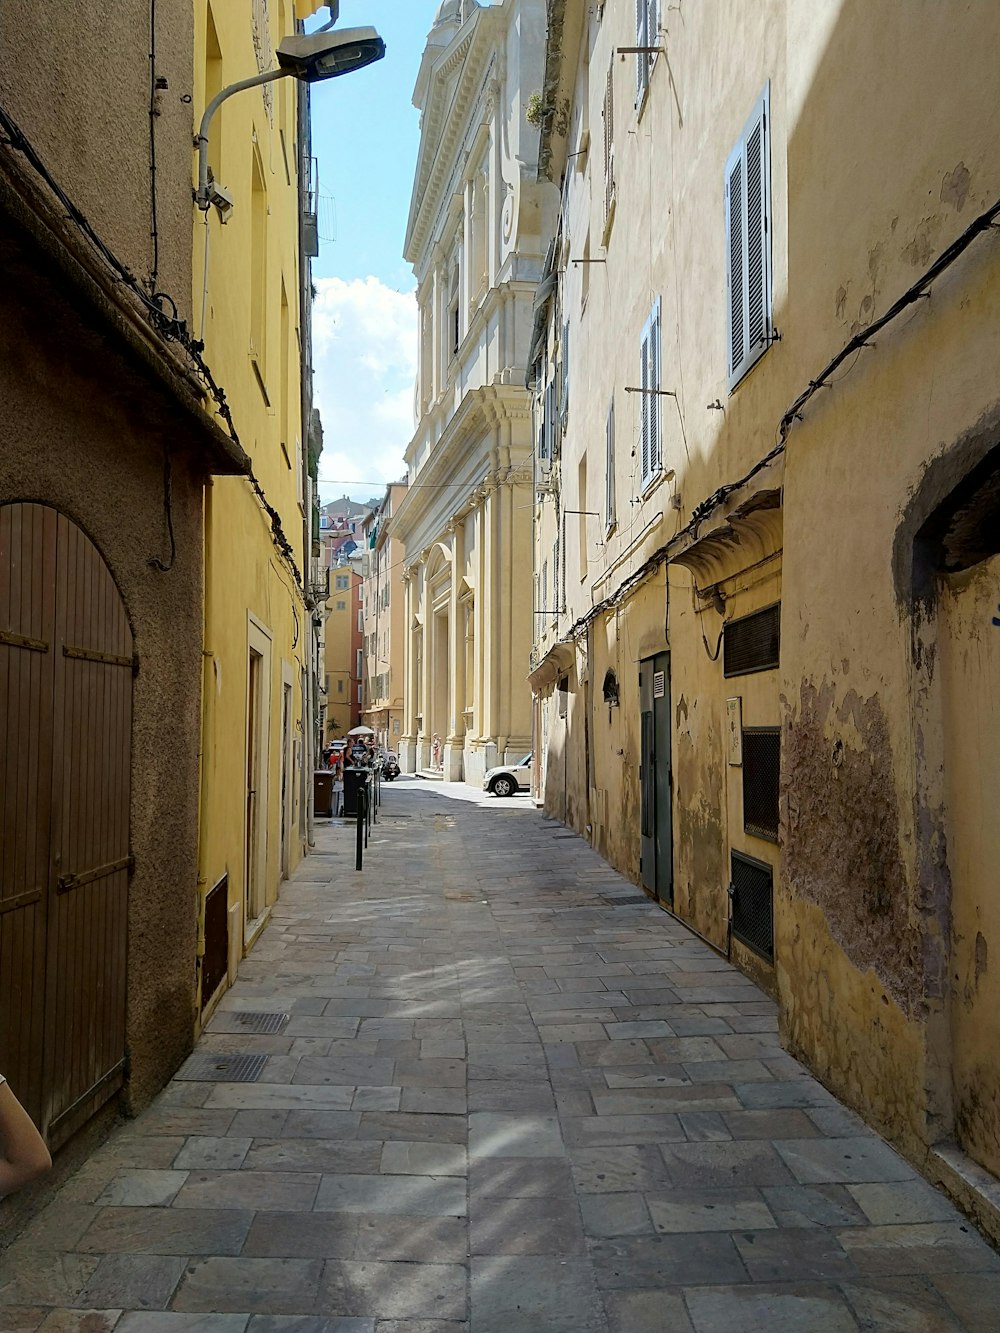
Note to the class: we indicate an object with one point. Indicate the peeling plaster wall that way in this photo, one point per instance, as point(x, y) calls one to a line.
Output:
point(863, 943)
point(970, 672)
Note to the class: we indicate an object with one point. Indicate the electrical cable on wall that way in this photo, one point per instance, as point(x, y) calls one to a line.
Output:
point(169, 326)
point(154, 112)
point(917, 291)
point(168, 508)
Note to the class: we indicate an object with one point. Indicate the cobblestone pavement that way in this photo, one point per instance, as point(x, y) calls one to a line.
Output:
point(510, 1096)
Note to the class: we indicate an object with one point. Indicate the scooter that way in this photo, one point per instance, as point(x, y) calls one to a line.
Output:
point(390, 770)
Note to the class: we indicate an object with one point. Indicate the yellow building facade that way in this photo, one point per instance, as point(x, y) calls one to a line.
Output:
point(246, 310)
point(384, 622)
point(342, 661)
point(767, 535)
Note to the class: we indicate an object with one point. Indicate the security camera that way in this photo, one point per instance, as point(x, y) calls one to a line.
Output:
point(222, 200)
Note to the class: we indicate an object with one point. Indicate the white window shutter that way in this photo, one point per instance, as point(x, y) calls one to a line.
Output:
point(609, 143)
point(758, 311)
point(609, 481)
point(748, 244)
point(564, 357)
point(543, 431)
point(646, 399)
point(641, 61)
point(656, 416)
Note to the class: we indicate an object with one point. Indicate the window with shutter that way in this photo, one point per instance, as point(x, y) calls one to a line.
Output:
point(647, 31)
point(609, 150)
point(609, 483)
point(650, 452)
point(564, 360)
point(748, 243)
point(545, 427)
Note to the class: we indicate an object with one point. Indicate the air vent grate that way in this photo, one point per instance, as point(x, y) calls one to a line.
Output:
point(761, 770)
point(214, 1068)
point(752, 643)
point(265, 1024)
point(753, 893)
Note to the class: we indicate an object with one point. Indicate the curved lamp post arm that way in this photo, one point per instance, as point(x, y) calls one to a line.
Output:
point(201, 195)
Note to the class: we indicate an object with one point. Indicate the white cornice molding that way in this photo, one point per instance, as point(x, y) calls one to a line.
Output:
point(446, 122)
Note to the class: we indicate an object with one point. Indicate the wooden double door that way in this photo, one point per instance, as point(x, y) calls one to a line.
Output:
point(66, 673)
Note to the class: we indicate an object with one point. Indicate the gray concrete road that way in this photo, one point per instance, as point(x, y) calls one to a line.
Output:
point(492, 1088)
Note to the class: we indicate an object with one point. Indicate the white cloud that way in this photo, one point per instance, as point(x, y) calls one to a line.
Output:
point(365, 357)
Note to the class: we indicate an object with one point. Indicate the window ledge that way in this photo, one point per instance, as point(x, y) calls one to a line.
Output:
point(654, 484)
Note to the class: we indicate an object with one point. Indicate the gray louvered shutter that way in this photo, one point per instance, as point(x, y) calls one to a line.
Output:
point(748, 244)
point(609, 481)
point(655, 423)
point(646, 398)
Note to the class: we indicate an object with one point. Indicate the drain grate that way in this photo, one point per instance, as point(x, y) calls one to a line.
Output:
point(261, 1023)
point(223, 1068)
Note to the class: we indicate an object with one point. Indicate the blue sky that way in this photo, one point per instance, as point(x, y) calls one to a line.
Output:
point(365, 135)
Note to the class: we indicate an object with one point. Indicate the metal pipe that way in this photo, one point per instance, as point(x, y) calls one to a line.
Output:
point(201, 198)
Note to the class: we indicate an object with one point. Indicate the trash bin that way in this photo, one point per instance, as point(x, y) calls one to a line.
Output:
point(354, 780)
point(323, 792)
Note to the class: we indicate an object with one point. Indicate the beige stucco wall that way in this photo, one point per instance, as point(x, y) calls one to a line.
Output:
point(883, 679)
point(79, 89)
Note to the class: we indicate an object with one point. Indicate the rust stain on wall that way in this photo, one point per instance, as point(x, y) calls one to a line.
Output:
point(842, 843)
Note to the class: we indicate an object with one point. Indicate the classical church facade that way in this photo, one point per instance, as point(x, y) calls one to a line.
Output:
point(475, 237)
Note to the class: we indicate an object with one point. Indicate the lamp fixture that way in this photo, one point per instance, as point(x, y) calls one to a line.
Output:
point(311, 58)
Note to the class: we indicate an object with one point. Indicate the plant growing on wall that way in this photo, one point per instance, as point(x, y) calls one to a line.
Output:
point(535, 110)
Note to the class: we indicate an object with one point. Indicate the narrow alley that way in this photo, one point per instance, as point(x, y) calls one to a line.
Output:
point(486, 1085)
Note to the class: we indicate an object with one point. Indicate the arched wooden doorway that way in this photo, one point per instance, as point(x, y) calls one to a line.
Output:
point(66, 669)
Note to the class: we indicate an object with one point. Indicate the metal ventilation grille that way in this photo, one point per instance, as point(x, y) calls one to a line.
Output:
point(260, 1023)
point(752, 643)
point(761, 769)
point(752, 890)
point(209, 1068)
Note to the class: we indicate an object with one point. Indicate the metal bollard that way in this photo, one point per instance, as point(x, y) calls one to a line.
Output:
point(368, 809)
point(358, 854)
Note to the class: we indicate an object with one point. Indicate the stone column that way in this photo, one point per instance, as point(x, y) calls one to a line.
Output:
point(454, 766)
point(408, 740)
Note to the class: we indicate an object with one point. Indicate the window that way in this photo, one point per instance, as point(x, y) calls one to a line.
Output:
point(609, 150)
point(761, 771)
point(609, 473)
point(258, 265)
point(361, 622)
point(647, 33)
point(340, 687)
point(341, 606)
point(546, 425)
point(748, 243)
point(342, 581)
point(581, 518)
point(752, 643)
point(360, 662)
point(564, 364)
point(650, 384)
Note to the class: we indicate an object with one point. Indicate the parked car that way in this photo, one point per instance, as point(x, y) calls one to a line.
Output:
point(509, 778)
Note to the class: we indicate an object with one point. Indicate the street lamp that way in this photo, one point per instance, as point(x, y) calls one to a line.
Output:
point(311, 58)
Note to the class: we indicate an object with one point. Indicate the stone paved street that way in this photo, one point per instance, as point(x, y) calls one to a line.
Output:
point(510, 1095)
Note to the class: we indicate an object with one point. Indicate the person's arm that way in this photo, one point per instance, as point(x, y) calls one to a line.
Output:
point(23, 1154)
